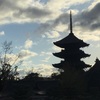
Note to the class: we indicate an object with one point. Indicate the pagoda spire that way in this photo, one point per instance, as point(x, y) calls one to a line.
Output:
point(71, 26)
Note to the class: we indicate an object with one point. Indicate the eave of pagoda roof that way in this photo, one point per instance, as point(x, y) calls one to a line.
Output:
point(59, 65)
point(69, 55)
point(70, 40)
point(79, 65)
point(64, 54)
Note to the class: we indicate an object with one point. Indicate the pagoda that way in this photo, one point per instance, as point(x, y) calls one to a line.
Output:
point(71, 52)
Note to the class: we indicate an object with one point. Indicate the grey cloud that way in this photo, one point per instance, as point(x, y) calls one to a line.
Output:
point(6, 5)
point(20, 13)
point(89, 19)
point(63, 18)
point(49, 25)
point(32, 12)
point(43, 28)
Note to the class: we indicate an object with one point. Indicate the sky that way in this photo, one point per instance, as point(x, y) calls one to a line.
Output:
point(33, 26)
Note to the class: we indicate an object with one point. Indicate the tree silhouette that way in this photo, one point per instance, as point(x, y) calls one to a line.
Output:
point(8, 70)
point(31, 76)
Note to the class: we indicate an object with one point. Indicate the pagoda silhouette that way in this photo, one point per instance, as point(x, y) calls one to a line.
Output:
point(71, 52)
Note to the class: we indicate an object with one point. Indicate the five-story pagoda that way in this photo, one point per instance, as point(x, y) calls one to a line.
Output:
point(71, 52)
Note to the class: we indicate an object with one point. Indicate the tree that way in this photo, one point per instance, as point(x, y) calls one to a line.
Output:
point(31, 76)
point(8, 67)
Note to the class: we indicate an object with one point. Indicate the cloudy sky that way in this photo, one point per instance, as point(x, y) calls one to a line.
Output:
point(33, 26)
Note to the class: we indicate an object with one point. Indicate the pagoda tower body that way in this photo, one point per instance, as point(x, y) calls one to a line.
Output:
point(71, 52)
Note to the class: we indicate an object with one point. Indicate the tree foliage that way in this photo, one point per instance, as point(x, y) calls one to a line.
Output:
point(8, 67)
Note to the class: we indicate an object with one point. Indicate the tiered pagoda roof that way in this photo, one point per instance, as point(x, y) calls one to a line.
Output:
point(64, 54)
point(70, 41)
point(79, 65)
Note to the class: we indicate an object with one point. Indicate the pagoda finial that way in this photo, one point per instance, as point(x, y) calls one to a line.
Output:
point(71, 27)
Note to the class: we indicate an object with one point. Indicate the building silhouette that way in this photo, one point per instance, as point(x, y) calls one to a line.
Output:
point(71, 52)
point(93, 75)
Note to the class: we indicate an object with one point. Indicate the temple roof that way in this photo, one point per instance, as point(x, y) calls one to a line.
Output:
point(96, 67)
point(58, 65)
point(79, 65)
point(74, 55)
point(70, 40)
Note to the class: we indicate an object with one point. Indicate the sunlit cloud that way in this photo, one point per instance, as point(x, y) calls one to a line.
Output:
point(28, 44)
point(45, 53)
point(52, 34)
point(55, 48)
point(46, 59)
point(2, 33)
point(25, 54)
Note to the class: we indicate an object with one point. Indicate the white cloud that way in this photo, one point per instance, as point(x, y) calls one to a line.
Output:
point(22, 56)
point(28, 43)
point(52, 34)
point(18, 47)
point(87, 35)
point(33, 10)
point(2, 33)
point(98, 46)
point(93, 4)
point(62, 4)
point(45, 53)
point(46, 59)
point(12, 59)
point(55, 48)
point(43, 69)
point(61, 27)
point(20, 12)
point(25, 54)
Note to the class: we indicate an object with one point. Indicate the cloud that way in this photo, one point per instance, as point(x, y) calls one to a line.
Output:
point(61, 20)
point(42, 69)
point(16, 58)
point(55, 48)
point(61, 27)
point(89, 37)
point(90, 18)
point(2, 33)
point(46, 59)
point(52, 34)
point(45, 69)
point(93, 4)
point(28, 43)
point(44, 27)
point(33, 10)
point(45, 53)
point(98, 46)
point(21, 12)
point(63, 4)
point(86, 24)
point(25, 54)
point(12, 58)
